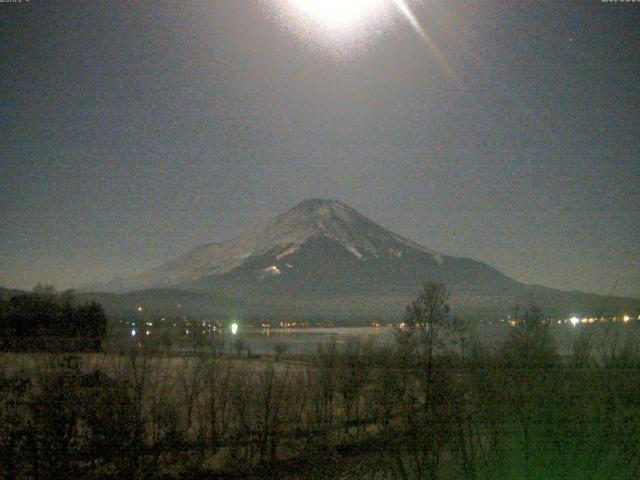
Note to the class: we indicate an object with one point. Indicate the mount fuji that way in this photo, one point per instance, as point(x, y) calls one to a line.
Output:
point(324, 258)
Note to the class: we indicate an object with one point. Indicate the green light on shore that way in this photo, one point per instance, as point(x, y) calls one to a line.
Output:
point(234, 328)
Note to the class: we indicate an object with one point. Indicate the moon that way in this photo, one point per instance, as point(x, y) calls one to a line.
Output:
point(338, 14)
point(344, 26)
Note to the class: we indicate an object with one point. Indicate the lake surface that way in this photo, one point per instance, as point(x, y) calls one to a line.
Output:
point(305, 341)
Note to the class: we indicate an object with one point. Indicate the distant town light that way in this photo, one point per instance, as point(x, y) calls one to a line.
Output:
point(139, 309)
point(574, 321)
point(133, 332)
point(148, 332)
point(234, 328)
point(626, 318)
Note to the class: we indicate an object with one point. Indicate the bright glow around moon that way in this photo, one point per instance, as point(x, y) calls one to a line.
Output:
point(339, 27)
point(344, 27)
point(338, 13)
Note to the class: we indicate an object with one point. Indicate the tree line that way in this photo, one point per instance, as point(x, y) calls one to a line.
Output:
point(422, 408)
point(47, 321)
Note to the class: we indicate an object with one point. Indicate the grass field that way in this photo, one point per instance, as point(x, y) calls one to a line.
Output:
point(360, 410)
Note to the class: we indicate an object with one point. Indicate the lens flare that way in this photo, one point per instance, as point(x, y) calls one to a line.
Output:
point(338, 14)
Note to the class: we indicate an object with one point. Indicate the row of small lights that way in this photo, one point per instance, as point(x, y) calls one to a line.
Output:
point(234, 330)
point(575, 320)
point(234, 326)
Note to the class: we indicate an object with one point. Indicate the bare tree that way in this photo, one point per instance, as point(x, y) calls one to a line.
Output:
point(271, 405)
point(526, 359)
point(428, 414)
point(279, 349)
point(326, 363)
point(352, 376)
point(241, 402)
point(190, 382)
point(389, 384)
point(240, 346)
point(217, 378)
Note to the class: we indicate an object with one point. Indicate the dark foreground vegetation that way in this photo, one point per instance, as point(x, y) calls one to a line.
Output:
point(436, 405)
point(47, 321)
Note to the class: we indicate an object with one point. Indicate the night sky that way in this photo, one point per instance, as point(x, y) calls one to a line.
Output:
point(134, 131)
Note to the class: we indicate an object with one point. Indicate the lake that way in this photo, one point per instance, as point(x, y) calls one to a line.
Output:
point(304, 341)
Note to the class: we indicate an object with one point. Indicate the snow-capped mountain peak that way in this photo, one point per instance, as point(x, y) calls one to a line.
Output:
point(331, 220)
point(324, 260)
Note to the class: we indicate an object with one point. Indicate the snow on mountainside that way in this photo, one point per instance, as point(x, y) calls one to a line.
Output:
point(322, 259)
point(328, 219)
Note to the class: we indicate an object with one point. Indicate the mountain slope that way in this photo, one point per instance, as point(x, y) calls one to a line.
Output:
point(316, 247)
point(322, 255)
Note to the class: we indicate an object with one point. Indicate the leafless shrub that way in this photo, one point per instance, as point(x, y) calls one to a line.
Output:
point(353, 370)
point(217, 384)
point(271, 404)
point(327, 365)
point(241, 401)
point(279, 349)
